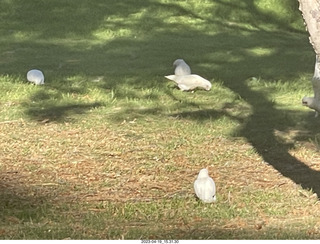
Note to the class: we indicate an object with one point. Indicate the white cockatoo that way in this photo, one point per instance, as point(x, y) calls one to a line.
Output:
point(204, 187)
point(181, 67)
point(35, 76)
point(190, 82)
point(314, 102)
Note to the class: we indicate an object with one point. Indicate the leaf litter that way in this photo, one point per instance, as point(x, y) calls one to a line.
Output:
point(65, 163)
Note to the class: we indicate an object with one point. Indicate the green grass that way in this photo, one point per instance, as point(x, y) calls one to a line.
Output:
point(109, 149)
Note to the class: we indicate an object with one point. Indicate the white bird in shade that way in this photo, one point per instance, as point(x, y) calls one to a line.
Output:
point(314, 102)
point(35, 76)
point(181, 67)
point(190, 82)
point(205, 187)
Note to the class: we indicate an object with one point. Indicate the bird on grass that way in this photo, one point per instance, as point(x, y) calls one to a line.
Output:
point(190, 82)
point(35, 76)
point(204, 187)
point(314, 102)
point(185, 80)
point(181, 67)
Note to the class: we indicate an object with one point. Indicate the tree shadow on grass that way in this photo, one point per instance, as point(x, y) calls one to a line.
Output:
point(22, 207)
point(52, 112)
point(234, 49)
point(259, 127)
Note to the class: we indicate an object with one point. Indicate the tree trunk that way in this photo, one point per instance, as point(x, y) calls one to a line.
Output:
point(311, 14)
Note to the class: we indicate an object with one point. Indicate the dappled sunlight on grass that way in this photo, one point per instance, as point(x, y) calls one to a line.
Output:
point(112, 146)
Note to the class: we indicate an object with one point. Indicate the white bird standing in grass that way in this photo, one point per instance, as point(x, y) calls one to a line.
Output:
point(314, 102)
point(35, 76)
point(190, 82)
point(205, 187)
point(181, 67)
point(185, 80)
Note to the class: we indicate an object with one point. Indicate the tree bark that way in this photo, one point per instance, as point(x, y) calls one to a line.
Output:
point(311, 14)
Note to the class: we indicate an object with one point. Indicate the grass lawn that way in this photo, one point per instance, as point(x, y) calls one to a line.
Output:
point(109, 149)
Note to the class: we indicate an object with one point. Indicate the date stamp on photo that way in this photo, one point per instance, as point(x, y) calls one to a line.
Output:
point(159, 241)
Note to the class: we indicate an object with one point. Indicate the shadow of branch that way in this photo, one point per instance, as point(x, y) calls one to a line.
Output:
point(59, 113)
